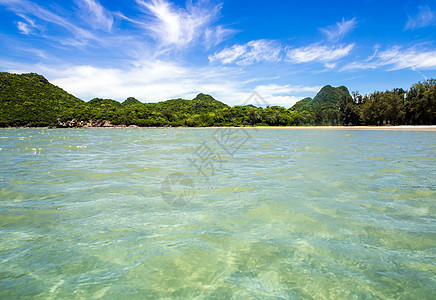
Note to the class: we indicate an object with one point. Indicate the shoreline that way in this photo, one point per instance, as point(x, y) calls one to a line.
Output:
point(398, 127)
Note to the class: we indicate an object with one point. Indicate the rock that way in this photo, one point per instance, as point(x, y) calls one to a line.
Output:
point(107, 124)
point(66, 124)
point(73, 123)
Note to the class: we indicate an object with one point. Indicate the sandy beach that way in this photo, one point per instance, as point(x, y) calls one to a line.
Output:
point(400, 127)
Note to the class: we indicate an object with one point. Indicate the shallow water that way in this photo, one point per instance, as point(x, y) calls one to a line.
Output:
point(217, 213)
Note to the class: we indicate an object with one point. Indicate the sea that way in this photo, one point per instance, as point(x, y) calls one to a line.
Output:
point(217, 213)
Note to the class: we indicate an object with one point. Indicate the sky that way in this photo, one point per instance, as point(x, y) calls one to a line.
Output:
point(156, 50)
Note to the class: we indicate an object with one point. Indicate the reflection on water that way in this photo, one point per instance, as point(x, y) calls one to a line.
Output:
point(266, 213)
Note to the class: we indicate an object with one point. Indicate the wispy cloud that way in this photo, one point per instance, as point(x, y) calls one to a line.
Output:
point(157, 80)
point(284, 95)
point(25, 9)
point(169, 33)
point(175, 26)
point(159, 24)
point(287, 89)
point(271, 51)
point(214, 36)
point(318, 53)
point(252, 52)
point(229, 55)
point(376, 48)
point(397, 58)
point(23, 27)
point(155, 29)
point(414, 59)
point(95, 14)
point(147, 80)
point(335, 33)
point(423, 18)
point(26, 27)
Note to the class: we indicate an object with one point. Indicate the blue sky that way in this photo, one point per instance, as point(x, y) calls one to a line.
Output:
point(157, 49)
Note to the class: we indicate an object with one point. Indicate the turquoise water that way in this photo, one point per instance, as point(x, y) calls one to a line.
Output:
point(217, 213)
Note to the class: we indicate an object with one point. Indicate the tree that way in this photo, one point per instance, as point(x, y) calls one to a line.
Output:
point(350, 110)
point(420, 104)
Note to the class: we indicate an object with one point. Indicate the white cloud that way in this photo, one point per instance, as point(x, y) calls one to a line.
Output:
point(95, 14)
point(410, 58)
point(337, 32)
point(24, 28)
point(376, 48)
point(424, 18)
point(286, 89)
point(229, 55)
point(148, 81)
point(281, 95)
point(159, 77)
point(330, 65)
point(252, 52)
point(282, 100)
point(152, 81)
point(145, 81)
point(270, 51)
point(159, 25)
point(275, 97)
point(171, 25)
point(25, 8)
point(214, 36)
point(357, 66)
point(261, 50)
point(318, 53)
point(397, 58)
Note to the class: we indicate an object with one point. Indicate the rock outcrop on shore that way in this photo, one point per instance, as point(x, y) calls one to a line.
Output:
point(73, 123)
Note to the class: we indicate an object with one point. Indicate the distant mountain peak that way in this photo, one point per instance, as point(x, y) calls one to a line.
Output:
point(131, 101)
point(327, 97)
point(203, 97)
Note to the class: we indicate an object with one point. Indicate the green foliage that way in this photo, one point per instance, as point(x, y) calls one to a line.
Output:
point(324, 108)
point(384, 108)
point(349, 112)
point(420, 103)
point(131, 101)
point(30, 100)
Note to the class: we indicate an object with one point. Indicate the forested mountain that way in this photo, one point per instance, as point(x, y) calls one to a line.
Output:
point(325, 106)
point(131, 101)
point(30, 100)
point(328, 97)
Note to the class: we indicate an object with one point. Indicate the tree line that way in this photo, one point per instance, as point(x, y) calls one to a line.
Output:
point(417, 106)
point(30, 100)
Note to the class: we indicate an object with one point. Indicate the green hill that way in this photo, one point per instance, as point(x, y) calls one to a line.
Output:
point(327, 97)
point(104, 103)
point(202, 103)
point(30, 100)
point(324, 108)
point(206, 103)
point(131, 101)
